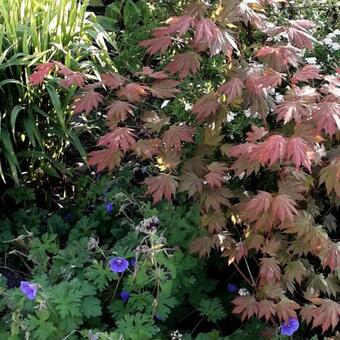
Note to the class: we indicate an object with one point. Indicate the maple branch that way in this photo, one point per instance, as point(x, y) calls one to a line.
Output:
point(251, 275)
point(243, 275)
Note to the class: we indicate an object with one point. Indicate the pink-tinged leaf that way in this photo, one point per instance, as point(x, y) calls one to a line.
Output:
point(327, 117)
point(225, 43)
point(184, 64)
point(327, 315)
point(156, 45)
point(298, 34)
point(175, 135)
point(307, 313)
point(279, 58)
point(147, 148)
point(75, 78)
point(331, 256)
point(215, 197)
point(176, 25)
point(40, 73)
point(269, 271)
point(87, 102)
point(247, 306)
point(205, 106)
point(164, 88)
point(259, 204)
point(285, 309)
point(119, 137)
point(161, 186)
point(307, 73)
point(283, 208)
point(191, 184)
point(149, 72)
point(256, 134)
point(268, 79)
point(112, 80)
point(292, 109)
point(270, 151)
point(267, 309)
point(206, 33)
point(106, 158)
point(232, 89)
point(215, 176)
point(239, 150)
point(133, 92)
point(299, 152)
point(62, 69)
point(118, 111)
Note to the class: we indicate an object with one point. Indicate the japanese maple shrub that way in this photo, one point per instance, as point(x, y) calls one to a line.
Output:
point(286, 230)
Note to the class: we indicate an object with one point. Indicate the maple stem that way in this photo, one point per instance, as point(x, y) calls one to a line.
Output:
point(243, 275)
point(251, 275)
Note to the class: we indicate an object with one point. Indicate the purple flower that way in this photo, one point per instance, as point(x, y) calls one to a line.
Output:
point(290, 327)
point(118, 264)
point(232, 288)
point(29, 289)
point(158, 317)
point(108, 207)
point(124, 295)
point(133, 262)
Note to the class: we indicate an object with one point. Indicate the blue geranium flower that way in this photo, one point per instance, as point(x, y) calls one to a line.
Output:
point(108, 207)
point(118, 264)
point(124, 295)
point(29, 289)
point(232, 288)
point(133, 262)
point(290, 327)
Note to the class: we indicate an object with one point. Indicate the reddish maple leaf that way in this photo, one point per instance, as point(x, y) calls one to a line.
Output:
point(174, 136)
point(154, 121)
point(118, 111)
point(105, 158)
point(75, 78)
point(40, 73)
point(307, 313)
point(87, 102)
point(299, 152)
point(179, 25)
point(112, 80)
point(206, 32)
point(283, 208)
point(327, 314)
point(259, 204)
point(232, 89)
point(285, 309)
point(202, 246)
point(215, 221)
point(214, 198)
point(330, 175)
point(298, 34)
point(133, 92)
point(119, 137)
point(247, 306)
point(205, 106)
point(156, 45)
point(190, 183)
point(225, 43)
point(267, 309)
point(184, 63)
point(292, 109)
point(164, 88)
point(327, 117)
point(149, 72)
point(279, 58)
point(163, 185)
point(306, 73)
point(295, 271)
point(270, 151)
point(147, 148)
point(269, 271)
point(215, 176)
point(331, 256)
point(256, 134)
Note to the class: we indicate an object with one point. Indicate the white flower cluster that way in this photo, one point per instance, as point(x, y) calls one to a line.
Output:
point(231, 116)
point(249, 114)
point(243, 292)
point(332, 40)
point(176, 335)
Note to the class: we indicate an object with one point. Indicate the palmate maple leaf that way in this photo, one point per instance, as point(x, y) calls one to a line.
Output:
point(112, 80)
point(236, 252)
point(247, 306)
point(149, 72)
point(175, 135)
point(202, 246)
point(225, 43)
point(205, 106)
point(256, 134)
point(163, 185)
point(168, 159)
point(133, 92)
point(267, 309)
point(206, 32)
point(279, 58)
point(295, 271)
point(292, 109)
point(283, 208)
point(119, 137)
point(269, 270)
point(154, 121)
point(105, 158)
point(87, 102)
point(156, 45)
point(118, 111)
point(190, 183)
point(176, 25)
point(259, 204)
point(306, 73)
point(215, 221)
point(299, 152)
point(164, 88)
point(307, 313)
point(184, 64)
point(331, 256)
point(215, 176)
point(330, 175)
point(215, 198)
point(232, 89)
point(147, 148)
point(298, 33)
point(327, 116)
point(76, 78)
point(327, 315)
point(285, 309)
point(41, 71)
